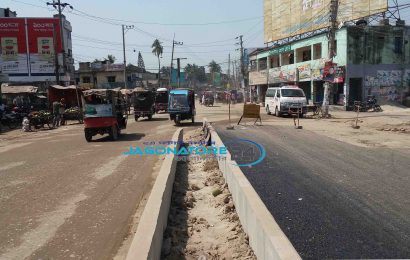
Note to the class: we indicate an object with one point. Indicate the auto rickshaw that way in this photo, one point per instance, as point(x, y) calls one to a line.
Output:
point(105, 112)
point(181, 105)
point(209, 98)
point(144, 103)
point(161, 100)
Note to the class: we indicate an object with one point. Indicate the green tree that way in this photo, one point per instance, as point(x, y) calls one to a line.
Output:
point(214, 67)
point(165, 71)
point(157, 50)
point(111, 58)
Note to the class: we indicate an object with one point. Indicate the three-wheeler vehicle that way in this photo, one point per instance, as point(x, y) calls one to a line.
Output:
point(161, 100)
point(209, 98)
point(105, 112)
point(144, 103)
point(181, 105)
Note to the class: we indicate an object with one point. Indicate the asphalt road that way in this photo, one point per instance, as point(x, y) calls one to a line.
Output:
point(64, 198)
point(332, 199)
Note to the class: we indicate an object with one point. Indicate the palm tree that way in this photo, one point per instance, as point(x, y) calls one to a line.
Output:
point(111, 58)
point(214, 67)
point(157, 50)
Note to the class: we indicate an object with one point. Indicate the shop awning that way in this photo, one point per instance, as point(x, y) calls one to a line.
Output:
point(5, 89)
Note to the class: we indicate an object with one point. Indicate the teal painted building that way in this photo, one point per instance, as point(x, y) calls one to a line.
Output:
point(371, 60)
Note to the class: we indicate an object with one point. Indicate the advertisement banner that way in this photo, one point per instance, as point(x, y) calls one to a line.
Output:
point(288, 75)
point(305, 72)
point(174, 78)
point(316, 74)
point(46, 47)
point(274, 76)
point(217, 78)
point(13, 56)
point(258, 78)
point(42, 29)
point(103, 110)
point(9, 48)
point(286, 18)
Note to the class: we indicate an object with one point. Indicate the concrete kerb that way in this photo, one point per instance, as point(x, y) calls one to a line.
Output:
point(147, 241)
point(265, 236)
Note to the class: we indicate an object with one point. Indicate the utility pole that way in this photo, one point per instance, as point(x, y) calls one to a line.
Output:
point(56, 65)
point(179, 70)
point(334, 6)
point(229, 69)
point(172, 57)
point(60, 7)
point(244, 81)
point(234, 74)
point(125, 28)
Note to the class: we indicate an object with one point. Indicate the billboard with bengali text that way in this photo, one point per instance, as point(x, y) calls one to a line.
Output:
point(28, 46)
point(286, 18)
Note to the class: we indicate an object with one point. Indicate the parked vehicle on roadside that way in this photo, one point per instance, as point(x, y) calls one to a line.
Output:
point(285, 100)
point(161, 100)
point(370, 104)
point(105, 112)
point(9, 119)
point(181, 105)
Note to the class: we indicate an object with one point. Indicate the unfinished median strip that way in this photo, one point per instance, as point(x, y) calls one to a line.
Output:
point(214, 212)
point(202, 222)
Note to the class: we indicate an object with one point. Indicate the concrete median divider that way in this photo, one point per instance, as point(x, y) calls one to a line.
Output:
point(265, 236)
point(147, 241)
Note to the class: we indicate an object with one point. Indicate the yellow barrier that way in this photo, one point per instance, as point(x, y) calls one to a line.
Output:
point(251, 111)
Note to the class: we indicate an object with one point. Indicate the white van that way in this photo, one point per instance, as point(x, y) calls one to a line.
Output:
point(280, 100)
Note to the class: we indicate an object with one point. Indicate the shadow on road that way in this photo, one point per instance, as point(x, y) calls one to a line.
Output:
point(154, 119)
point(124, 137)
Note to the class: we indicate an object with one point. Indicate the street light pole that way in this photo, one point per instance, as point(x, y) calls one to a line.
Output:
point(125, 28)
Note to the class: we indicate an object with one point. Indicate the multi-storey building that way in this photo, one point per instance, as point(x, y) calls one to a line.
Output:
point(369, 60)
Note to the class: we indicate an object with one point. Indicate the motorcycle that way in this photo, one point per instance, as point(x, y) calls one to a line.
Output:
point(10, 120)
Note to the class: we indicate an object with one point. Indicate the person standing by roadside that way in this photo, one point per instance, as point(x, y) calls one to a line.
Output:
point(56, 114)
point(62, 111)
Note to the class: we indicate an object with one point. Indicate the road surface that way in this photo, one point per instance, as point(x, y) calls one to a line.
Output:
point(61, 197)
point(332, 199)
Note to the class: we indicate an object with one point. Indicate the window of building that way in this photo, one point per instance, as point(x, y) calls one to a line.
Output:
point(307, 55)
point(398, 45)
point(86, 80)
point(274, 61)
point(253, 65)
point(111, 79)
point(288, 58)
point(304, 54)
point(263, 64)
point(317, 51)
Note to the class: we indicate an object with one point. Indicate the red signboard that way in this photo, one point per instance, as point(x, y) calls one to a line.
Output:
point(28, 46)
point(43, 28)
point(13, 28)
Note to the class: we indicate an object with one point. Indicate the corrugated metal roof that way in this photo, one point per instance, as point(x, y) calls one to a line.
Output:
point(5, 89)
point(63, 87)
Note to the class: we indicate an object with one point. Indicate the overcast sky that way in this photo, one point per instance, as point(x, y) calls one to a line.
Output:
point(188, 19)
